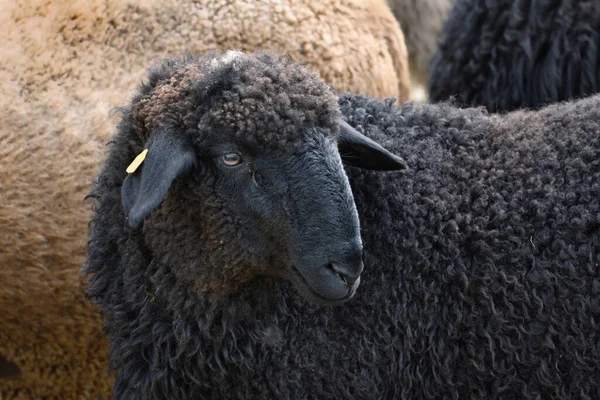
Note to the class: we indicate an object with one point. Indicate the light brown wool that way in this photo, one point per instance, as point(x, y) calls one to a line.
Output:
point(64, 66)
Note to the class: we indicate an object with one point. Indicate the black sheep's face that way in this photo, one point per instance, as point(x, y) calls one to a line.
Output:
point(256, 211)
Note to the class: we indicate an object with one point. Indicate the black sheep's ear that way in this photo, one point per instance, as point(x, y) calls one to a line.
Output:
point(359, 151)
point(168, 157)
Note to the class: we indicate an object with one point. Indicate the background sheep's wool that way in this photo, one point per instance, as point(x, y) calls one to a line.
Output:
point(64, 66)
point(421, 22)
point(507, 54)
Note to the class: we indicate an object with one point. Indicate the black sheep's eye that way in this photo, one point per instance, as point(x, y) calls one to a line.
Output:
point(231, 159)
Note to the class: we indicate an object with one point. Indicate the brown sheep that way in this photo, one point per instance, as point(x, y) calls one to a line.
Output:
point(65, 65)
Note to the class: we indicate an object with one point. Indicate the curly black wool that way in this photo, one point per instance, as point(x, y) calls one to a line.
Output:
point(482, 262)
point(509, 54)
point(198, 93)
point(481, 272)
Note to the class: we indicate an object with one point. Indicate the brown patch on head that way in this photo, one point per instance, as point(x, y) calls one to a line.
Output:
point(151, 112)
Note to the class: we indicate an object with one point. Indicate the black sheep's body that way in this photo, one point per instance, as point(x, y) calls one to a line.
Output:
point(481, 276)
point(509, 54)
point(492, 289)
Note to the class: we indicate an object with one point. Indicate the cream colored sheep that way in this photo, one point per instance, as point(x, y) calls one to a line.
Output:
point(64, 66)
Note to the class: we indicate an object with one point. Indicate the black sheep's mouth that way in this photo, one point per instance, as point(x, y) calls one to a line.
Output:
point(318, 296)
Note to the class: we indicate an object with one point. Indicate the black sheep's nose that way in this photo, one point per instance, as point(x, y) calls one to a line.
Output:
point(348, 274)
point(350, 265)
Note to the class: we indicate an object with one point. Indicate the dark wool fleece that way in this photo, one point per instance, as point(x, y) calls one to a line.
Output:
point(262, 98)
point(508, 54)
point(481, 274)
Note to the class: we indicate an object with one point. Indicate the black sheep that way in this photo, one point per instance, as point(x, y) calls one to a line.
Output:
point(509, 54)
point(481, 274)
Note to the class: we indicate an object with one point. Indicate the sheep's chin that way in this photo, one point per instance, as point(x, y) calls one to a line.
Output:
point(310, 294)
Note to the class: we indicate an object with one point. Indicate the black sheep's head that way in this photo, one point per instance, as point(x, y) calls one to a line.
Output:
point(244, 176)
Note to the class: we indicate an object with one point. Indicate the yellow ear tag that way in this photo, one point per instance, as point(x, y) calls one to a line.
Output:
point(135, 164)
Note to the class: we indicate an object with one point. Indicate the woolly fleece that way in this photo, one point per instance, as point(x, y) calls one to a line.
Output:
point(509, 54)
point(481, 272)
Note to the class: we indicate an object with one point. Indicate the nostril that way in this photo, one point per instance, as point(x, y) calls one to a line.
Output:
point(336, 271)
point(345, 274)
